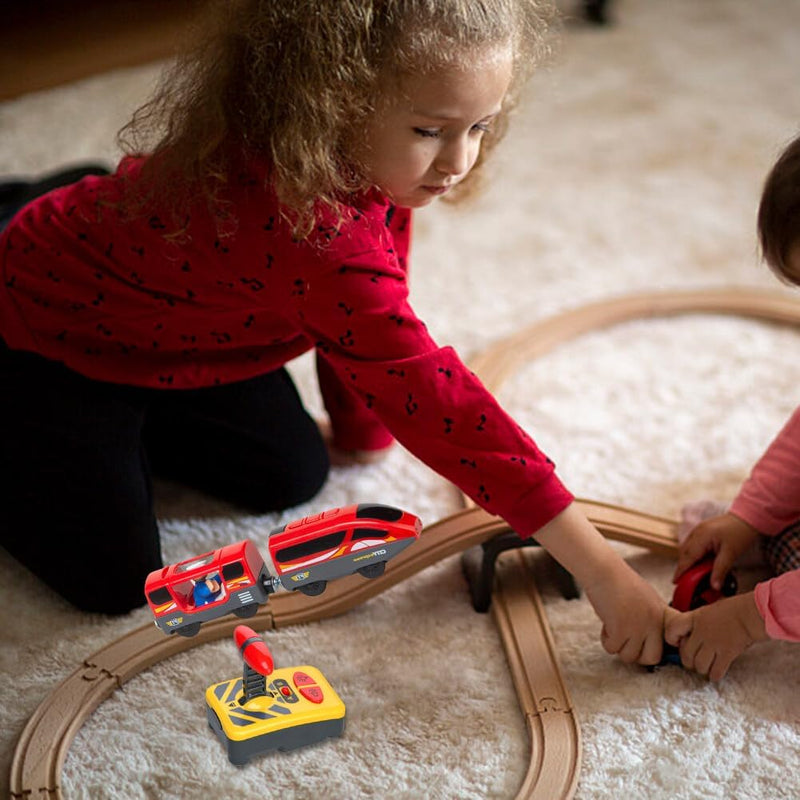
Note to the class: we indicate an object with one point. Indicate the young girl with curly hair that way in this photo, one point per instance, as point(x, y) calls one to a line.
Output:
point(767, 507)
point(148, 315)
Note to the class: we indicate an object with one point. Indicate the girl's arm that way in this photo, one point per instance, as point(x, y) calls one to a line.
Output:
point(354, 427)
point(630, 609)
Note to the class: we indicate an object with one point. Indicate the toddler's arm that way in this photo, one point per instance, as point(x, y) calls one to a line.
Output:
point(769, 499)
point(631, 610)
point(713, 636)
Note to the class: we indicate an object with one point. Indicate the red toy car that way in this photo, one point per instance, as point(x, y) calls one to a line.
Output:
point(694, 590)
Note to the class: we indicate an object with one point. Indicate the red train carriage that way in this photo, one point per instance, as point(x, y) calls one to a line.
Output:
point(309, 552)
point(233, 579)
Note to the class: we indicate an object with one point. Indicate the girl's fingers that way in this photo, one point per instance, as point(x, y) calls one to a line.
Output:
point(630, 651)
point(676, 626)
point(651, 652)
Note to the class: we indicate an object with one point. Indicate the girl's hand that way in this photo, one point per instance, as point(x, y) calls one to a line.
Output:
point(713, 636)
point(631, 610)
point(632, 613)
point(727, 536)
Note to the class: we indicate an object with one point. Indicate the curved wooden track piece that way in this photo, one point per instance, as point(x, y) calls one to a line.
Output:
point(553, 731)
point(544, 699)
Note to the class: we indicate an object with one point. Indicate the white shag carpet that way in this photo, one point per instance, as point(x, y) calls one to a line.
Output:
point(634, 164)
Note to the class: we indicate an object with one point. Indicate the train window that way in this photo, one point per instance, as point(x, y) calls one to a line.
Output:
point(308, 548)
point(377, 511)
point(369, 533)
point(194, 562)
point(160, 596)
point(233, 570)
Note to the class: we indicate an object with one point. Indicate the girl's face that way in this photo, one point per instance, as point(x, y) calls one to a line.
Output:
point(426, 135)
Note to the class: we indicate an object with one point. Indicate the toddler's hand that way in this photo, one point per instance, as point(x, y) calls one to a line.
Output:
point(713, 636)
point(632, 614)
point(727, 536)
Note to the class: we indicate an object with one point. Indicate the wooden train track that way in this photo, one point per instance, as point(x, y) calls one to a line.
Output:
point(544, 699)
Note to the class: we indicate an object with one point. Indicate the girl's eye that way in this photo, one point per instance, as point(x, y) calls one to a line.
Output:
point(481, 127)
point(427, 132)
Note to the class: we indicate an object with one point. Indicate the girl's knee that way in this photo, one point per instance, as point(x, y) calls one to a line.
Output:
point(300, 478)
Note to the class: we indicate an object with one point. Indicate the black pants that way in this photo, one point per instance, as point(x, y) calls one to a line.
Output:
point(76, 497)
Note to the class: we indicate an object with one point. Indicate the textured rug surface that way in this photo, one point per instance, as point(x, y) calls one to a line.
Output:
point(634, 164)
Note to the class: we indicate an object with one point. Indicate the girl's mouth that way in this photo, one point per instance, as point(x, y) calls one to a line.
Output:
point(437, 189)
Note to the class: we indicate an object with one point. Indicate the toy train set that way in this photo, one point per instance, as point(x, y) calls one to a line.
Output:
point(304, 555)
point(554, 750)
point(298, 706)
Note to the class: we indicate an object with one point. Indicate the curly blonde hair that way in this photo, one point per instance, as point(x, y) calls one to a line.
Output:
point(293, 80)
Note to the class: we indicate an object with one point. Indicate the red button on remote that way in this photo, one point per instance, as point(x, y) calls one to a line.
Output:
point(312, 693)
point(302, 679)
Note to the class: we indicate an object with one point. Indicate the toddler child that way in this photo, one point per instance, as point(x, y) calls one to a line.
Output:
point(148, 315)
point(768, 503)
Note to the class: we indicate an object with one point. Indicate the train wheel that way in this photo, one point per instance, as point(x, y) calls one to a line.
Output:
point(314, 588)
point(246, 611)
point(192, 629)
point(373, 570)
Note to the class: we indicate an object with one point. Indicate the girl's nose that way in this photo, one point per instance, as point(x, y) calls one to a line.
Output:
point(454, 158)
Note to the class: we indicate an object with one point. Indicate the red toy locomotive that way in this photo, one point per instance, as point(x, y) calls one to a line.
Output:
point(306, 554)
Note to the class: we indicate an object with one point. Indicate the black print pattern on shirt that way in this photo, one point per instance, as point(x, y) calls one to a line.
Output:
point(254, 284)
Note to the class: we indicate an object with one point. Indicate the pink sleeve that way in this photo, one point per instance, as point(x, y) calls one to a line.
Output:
point(778, 602)
point(769, 500)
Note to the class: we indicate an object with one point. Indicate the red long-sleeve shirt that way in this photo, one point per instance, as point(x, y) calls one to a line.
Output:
point(117, 298)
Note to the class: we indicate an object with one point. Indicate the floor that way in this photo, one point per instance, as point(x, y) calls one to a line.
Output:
point(44, 43)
